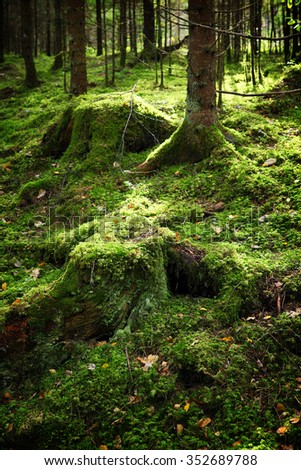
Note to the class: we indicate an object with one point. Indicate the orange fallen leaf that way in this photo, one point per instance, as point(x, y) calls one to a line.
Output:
point(16, 302)
point(280, 407)
point(42, 263)
point(298, 379)
point(227, 338)
point(178, 237)
point(103, 447)
point(295, 420)
point(204, 422)
point(7, 396)
point(236, 443)
point(282, 430)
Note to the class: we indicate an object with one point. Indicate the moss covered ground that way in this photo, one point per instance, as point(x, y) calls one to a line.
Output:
point(157, 310)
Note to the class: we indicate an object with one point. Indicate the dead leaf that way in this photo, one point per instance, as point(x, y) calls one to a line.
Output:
point(4, 285)
point(282, 430)
point(236, 443)
point(177, 406)
point(227, 339)
point(103, 447)
point(39, 223)
point(217, 229)
point(187, 406)
point(134, 399)
point(298, 379)
point(10, 427)
point(16, 302)
point(148, 361)
point(52, 371)
point(204, 422)
point(17, 264)
point(280, 407)
point(105, 365)
point(41, 194)
point(295, 420)
point(7, 396)
point(35, 273)
point(42, 263)
point(179, 429)
point(117, 442)
point(270, 162)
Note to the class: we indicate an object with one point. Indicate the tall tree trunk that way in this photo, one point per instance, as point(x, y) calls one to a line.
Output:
point(113, 40)
point(36, 29)
point(77, 46)
point(286, 32)
point(58, 35)
point(31, 79)
point(1, 31)
point(48, 30)
point(199, 134)
point(149, 40)
point(105, 42)
point(123, 33)
point(99, 28)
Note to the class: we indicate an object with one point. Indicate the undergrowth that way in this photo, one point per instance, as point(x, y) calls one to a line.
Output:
point(157, 311)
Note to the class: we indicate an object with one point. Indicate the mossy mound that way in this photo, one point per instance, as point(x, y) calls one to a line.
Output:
point(102, 129)
point(105, 286)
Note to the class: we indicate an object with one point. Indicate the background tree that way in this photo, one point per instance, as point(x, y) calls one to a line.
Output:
point(31, 79)
point(1, 32)
point(149, 40)
point(77, 46)
point(58, 36)
point(99, 28)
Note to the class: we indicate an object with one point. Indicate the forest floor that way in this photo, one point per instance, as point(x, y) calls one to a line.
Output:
point(158, 310)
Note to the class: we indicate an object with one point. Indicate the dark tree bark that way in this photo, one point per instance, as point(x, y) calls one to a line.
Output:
point(48, 30)
point(123, 33)
point(58, 35)
point(77, 46)
point(99, 28)
point(1, 31)
point(199, 134)
point(149, 38)
point(31, 79)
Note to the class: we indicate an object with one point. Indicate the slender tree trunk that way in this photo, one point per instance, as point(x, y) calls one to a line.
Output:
point(135, 50)
point(48, 31)
point(113, 40)
point(160, 45)
point(36, 29)
point(149, 40)
point(123, 33)
point(58, 35)
point(105, 43)
point(286, 32)
point(1, 32)
point(31, 79)
point(77, 46)
point(295, 49)
point(99, 48)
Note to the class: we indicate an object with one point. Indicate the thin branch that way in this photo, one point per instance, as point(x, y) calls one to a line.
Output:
point(121, 148)
point(268, 93)
point(235, 33)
